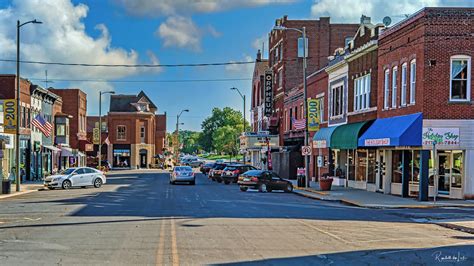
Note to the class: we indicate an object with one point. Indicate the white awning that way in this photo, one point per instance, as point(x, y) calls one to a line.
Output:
point(51, 148)
point(81, 154)
point(66, 152)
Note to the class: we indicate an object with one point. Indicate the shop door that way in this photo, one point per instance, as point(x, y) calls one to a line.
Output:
point(380, 171)
point(143, 160)
point(444, 170)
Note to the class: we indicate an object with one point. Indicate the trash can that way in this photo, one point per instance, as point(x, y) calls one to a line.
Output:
point(6, 186)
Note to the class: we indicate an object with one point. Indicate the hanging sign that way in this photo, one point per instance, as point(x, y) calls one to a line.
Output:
point(268, 93)
point(313, 115)
point(95, 135)
point(9, 116)
point(441, 136)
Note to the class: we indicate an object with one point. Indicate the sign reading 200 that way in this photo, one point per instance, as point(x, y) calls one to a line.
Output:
point(9, 116)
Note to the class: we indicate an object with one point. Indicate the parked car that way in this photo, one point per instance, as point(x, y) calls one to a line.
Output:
point(182, 174)
point(205, 168)
point(216, 172)
point(76, 177)
point(264, 181)
point(232, 172)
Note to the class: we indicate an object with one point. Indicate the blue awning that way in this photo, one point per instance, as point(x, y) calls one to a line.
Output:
point(322, 138)
point(403, 130)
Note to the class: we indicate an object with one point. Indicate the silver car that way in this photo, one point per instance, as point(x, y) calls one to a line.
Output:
point(182, 174)
point(76, 177)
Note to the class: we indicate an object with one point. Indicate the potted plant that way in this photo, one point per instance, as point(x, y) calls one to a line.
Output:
point(325, 182)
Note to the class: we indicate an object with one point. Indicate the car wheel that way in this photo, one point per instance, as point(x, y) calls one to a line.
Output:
point(269, 190)
point(66, 184)
point(262, 188)
point(289, 188)
point(243, 189)
point(97, 183)
point(193, 182)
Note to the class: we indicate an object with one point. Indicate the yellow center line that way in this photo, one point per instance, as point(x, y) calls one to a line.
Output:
point(161, 244)
point(174, 246)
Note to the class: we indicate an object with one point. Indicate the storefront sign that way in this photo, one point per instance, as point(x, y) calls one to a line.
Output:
point(313, 115)
point(319, 144)
point(442, 136)
point(9, 116)
point(7, 140)
point(268, 93)
point(257, 142)
point(377, 142)
point(95, 135)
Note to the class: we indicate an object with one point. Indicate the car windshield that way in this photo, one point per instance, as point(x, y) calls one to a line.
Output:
point(182, 168)
point(68, 171)
point(219, 166)
point(230, 168)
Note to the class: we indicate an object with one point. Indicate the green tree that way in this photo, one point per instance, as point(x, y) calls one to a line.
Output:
point(225, 139)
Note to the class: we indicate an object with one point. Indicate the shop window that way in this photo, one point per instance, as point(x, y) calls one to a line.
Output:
point(397, 166)
point(394, 87)
point(457, 170)
point(371, 166)
point(460, 78)
point(386, 89)
point(121, 133)
point(350, 164)
point(414, 171)
point(403, 96)
point(412, 81)
point(361, 165)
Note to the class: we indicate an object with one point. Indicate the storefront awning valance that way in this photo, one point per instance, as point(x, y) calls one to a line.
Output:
point(322, 138)
point(51, 148)
point(66, 152)
point(403, 130)
point(346, 136)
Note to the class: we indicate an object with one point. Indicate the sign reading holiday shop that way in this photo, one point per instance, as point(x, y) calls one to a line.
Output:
point(441, 136)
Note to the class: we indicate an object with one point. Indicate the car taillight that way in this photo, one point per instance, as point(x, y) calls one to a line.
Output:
point(254, 179)
point(235, 171)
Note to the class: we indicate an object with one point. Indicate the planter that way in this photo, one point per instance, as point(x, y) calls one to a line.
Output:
point(325, 184)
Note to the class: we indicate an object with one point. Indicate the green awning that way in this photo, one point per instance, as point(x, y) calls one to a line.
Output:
point(345, 137)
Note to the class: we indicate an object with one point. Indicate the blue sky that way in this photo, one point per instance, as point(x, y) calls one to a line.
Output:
point(166, 32)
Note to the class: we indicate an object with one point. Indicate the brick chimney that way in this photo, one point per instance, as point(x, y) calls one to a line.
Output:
point(259, 56)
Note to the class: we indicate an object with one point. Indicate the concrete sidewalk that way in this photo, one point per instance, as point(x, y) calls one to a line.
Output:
point(24, 189)
point(366, 199)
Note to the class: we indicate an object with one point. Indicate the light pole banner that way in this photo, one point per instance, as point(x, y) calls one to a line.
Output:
point(9, 116)
point(313, 115)
point(95, 135)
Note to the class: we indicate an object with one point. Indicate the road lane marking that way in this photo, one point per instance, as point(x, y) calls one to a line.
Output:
point(161, 244)
point(174, 246)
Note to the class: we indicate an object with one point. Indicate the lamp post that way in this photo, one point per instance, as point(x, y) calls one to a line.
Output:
point(306, 137)
point(245, 129)
point(17, 141)
point(177, 132)
point(99, 152)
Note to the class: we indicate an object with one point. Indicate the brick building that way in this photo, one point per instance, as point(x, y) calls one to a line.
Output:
point(160, 134)
point(424, 104)
point(132, 123)
point(259, 121)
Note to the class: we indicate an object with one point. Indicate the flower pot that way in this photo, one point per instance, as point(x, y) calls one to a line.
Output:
point(325, 184)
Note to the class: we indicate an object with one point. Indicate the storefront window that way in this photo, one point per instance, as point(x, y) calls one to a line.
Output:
point(457, 170)
point(361, 165)
point(397, 166)
point(414, 171)
point(371, 167)
point(350, 164)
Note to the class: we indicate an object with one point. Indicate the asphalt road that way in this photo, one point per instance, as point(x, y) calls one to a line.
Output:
point(140, 219)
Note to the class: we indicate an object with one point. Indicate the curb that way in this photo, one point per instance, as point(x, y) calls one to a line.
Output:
point(461, 228)
point(6, 196)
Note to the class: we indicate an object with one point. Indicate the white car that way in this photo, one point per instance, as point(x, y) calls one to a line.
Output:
point(76, 177)
point(182, 174)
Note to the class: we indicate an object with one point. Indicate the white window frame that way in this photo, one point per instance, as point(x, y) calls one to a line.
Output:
point(124, 132)
point(468, 84)
point(339, 87)
point(413, 81)
point(362, 93)
point(280, 79)
point(321, 109)
point(142, 134)
point(386, 89)
point(403, 92)
point(394, 87)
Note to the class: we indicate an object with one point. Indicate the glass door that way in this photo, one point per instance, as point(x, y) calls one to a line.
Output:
point(381, 170)
point(444, 173)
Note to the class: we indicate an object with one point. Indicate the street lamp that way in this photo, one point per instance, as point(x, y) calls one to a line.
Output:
point(100, 125)
point(306, 137)
point(177, 132)
point(243, 98)
point(17, 141)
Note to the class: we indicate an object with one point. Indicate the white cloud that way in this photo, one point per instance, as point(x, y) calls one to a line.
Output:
point(154, 8)
point(182, 32)
point(242, 70)
point(377, 9)
point(62, 38)
point(257, 43)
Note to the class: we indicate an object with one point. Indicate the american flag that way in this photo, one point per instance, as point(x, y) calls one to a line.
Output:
point(43, 125)
point(298, 124)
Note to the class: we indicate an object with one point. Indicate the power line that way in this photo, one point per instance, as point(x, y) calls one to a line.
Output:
point(143, 81)
point(131, 65)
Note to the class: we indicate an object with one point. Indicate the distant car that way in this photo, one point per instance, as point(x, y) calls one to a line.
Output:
point(232, 172)
point(205, 168)
point(193, 162)
point(216, 172)
point(182, 174)
point(219, 160)
point(76, 177)
point(264, 181)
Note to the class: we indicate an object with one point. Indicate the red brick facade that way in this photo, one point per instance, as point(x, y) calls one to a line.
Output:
point(160, 135)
